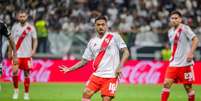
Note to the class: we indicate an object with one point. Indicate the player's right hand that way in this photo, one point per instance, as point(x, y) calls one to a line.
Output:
point(64, 69)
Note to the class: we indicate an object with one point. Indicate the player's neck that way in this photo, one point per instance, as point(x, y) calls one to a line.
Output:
point(100, 35)
point(176, 26)
point(23, 24)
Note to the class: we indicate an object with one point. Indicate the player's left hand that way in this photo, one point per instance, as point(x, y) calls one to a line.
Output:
point(33, 52)
point(190, 56)
point(118, 72)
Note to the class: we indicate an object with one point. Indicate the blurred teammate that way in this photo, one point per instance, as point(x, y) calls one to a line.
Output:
point(26, 42)
point(104, 49)
point(4, 32)
point(183, 44)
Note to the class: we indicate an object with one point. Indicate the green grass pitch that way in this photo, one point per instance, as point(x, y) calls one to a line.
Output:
point(73, 92)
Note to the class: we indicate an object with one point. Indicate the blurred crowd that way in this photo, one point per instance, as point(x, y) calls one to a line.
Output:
point(141, 22)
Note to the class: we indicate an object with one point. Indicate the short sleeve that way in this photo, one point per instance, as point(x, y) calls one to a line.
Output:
point(189, 33)
point(119, 41)
point(34, 33)
point(88, 55)
point(4, 30)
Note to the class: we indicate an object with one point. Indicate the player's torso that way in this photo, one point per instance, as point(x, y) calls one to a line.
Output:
point(110, 60)
point(110, 50)
point(182, 48)
point(25, 47)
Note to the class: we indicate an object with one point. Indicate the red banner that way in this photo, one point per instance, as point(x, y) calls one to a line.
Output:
point(136, 72)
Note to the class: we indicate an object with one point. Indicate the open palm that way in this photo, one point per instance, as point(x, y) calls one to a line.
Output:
point(64, 69)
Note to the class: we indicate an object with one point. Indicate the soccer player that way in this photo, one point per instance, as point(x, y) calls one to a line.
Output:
point(104, 49)
point(26, 42)
point(183, 44)
point(4, 32)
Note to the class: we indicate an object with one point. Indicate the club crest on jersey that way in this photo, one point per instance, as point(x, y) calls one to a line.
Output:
point(107, 40)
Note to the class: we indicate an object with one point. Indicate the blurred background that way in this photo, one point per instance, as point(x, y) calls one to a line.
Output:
point(64, 28)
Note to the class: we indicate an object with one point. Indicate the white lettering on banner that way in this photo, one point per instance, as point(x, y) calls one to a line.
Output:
point(42, 75)
point(145, 72)
point(41, 72)
point(134, 71)
point(7, 70)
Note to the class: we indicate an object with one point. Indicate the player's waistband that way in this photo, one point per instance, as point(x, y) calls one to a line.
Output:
point(104, 77)
point(24, 58)
point(180, 66)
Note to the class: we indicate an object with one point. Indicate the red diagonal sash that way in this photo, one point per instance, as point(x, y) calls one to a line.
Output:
point(175, 43)
point(21, 38)
point(100, 55)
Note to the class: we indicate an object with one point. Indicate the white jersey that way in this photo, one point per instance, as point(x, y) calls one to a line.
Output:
point(183, 46)
point(111, 58)
point(25, 49)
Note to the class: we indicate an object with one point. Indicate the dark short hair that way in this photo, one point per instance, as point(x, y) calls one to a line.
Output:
point(176, 12)
point(22, 11)
point(101, 18)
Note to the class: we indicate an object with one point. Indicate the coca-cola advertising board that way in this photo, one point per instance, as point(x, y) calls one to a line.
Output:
point(134, 72)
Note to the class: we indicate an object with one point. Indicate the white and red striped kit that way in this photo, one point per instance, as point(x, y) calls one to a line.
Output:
point(180, 40)
point(25, 46)
point(111, 59)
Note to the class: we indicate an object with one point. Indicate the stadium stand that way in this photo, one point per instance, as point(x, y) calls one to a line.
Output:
point(142, 23)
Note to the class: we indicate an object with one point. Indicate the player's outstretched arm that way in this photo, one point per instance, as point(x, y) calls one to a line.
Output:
point(80, 64)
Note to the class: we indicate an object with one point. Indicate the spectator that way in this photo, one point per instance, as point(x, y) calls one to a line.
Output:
point(146, 37)
point(42, 31)
point(166, 52)
point(74, 17)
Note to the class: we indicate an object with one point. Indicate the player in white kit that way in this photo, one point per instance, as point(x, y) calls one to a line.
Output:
point(25, 38)
point(104, 49)
point(183, 44)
